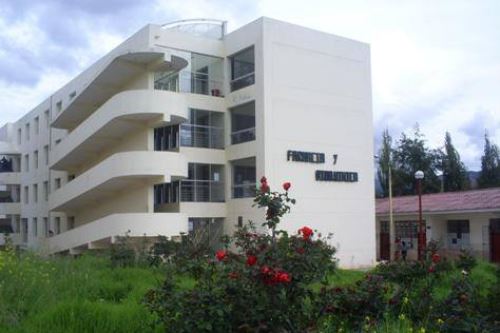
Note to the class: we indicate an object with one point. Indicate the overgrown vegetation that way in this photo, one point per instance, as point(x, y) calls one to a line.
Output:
point(256, 282)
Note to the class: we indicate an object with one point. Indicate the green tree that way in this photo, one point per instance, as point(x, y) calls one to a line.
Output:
point(454, 171)
point(411, 155)
point(490, 165)
point(384, 162)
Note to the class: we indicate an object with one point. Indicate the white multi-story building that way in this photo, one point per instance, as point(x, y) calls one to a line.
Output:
point(174, 127)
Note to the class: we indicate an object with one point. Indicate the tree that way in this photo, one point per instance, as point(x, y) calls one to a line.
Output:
point(454, 171)
point(490, 165)
point(411, 155)
point(384, 162)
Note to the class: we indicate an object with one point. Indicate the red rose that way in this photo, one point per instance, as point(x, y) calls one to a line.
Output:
point(251, 260)
point(265, 270)
point(431, 269)
point(264, 188)
point(306, 232)
point(301, 250)
point(263, 180)
point(221, 255)
point(282, 277)
point(286, 186)
point(436, 258)
point(233, 275)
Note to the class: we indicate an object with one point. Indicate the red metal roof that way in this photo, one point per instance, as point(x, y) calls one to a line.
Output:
point(486, 199)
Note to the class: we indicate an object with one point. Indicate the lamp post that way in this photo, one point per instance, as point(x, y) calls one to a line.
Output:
point(419, 175)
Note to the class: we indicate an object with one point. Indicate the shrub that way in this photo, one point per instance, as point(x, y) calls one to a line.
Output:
point(257, 282)
point(466, 260)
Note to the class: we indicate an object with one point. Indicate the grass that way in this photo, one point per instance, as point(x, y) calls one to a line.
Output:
point(86, 294)
point(73, 295)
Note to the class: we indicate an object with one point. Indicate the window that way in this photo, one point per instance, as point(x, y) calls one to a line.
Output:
point(244, 178)
point(27, 131)
point(46, 154)
point(57, 183)
point(57, 225)
point(59, 106)
point(242, 69)
point(205, 129)
point(34, 230)
point(71, 177)
point(203, 75)
point(458, 234)
point(240, 221)
point(206, 229)
point(167, 193)
point(46, 190)
point(46, 228)
point(35, 193)
point(58, 141)
point(26, 194)
point(71, 222)
point(407, 231)
point(19, 136)
point(35, 159)
point(205, 183)
point(46, 115)
point(26, 163)
point(24, 230)
point(37, 125)
point(72, 95)
point(243, 123)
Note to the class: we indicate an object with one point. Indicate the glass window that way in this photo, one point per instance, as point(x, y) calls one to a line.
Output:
point(203, 74)
point(458, 235)
point(243, 123)
point(242, 69)
point(35, 227)
point(244, 178)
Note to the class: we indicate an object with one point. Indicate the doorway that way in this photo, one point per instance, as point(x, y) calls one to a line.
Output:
point(495, 240)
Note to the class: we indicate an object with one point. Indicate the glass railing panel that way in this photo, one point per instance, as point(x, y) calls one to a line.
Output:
point(202, 191)
point(247, 134)
point(246, 190)
point(202, 136)
point(243, 81)
point(190, 82)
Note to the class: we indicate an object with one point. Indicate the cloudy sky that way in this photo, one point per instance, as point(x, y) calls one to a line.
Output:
point(434, 62)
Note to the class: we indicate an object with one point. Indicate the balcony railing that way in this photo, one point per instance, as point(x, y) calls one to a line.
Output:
point(202, 191)
point(244, 135)
point(246, 190)
point(4, 199)
point(202, 136)
point(243, 81)
point(191, 82)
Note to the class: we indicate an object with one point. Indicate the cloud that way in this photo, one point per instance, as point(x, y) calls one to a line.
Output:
point(437, 64)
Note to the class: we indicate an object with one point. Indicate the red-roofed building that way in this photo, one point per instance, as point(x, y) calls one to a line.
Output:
point(459, 220)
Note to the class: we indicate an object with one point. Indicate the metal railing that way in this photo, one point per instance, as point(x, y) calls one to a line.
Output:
point(247, 134)
point(202, 191)
point(190, 82)
point(243, 81)
point(202, 136)
point(246, 190)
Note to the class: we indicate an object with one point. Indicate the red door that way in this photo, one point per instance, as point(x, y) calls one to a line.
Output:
point(495, 240)
point(385, 246)
point(385, 241)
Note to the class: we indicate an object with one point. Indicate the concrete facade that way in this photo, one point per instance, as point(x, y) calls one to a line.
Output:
point(176, 126)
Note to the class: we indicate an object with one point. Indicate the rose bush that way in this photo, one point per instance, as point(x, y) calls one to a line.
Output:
point(260, 281)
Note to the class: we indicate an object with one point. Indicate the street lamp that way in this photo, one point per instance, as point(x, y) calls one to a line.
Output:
point(419, 175)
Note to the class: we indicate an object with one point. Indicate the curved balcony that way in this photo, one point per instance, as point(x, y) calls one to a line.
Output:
point(121, 114)
point(102, 232)
point(10, 208)
point(106, 77)
point(118, 172)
